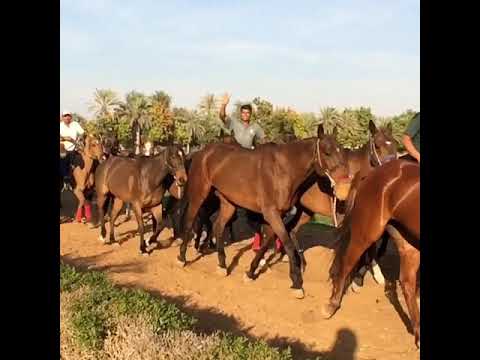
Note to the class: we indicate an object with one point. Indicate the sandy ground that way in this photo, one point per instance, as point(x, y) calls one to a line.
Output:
point(368, 326)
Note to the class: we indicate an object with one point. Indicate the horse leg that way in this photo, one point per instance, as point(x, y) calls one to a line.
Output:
point(361, 236)
point(304, 218)
point(137, 210)
point(81, 202)
point(226, 212)
point(269, 236)
point(195, 201)
point(101, 200)
point(158, 224)
point(273, 217)
point(409, 265)
point(116, 208)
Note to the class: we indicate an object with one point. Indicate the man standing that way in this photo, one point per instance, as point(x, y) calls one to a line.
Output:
point(411, 138)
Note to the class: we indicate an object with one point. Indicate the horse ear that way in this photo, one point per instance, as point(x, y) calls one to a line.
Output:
point(320, 131)
point(372, 127)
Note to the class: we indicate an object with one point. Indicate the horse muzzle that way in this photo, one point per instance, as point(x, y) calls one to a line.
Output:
point(342, 188)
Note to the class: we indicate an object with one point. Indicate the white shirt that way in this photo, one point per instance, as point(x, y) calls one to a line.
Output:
point(73, 130)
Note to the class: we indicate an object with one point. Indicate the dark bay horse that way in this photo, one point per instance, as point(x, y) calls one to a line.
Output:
point(388, 199)
point(140, 182)
point(265, 180)
point(319, 199)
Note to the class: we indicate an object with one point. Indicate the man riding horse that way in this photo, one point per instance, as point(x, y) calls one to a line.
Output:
point(411, 139)
point(245, 134)
point(70, 133)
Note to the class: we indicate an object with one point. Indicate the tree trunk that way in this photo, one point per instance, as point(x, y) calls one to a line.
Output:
point(137, 141)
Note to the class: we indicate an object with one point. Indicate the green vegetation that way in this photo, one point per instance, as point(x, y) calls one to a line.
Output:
point(152, 117)
point(103, 321)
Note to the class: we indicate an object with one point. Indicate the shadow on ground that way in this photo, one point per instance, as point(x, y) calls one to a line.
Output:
point(211, 319)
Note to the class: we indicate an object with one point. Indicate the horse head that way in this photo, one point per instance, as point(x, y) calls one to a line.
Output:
point(331, 160)
point(383, 146)
point(94, 148)
point(175, 162)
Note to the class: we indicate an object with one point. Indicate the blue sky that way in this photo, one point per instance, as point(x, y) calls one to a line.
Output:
point(303, 54)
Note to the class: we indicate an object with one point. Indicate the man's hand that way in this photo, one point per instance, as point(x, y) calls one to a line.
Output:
point(225, 99)
point(222, 114)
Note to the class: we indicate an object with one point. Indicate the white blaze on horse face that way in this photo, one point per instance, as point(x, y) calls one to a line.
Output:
point(388, 142)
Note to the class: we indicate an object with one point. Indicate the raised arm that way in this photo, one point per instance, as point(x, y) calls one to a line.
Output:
point(223, 114)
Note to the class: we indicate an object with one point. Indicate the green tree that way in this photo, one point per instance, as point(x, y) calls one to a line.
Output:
point(136, 109)
point(161, 128)
point(105, 103)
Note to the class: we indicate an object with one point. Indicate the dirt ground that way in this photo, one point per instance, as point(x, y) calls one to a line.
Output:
point(368, 325)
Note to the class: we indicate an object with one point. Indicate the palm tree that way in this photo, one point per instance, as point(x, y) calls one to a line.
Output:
point(194, 128)
point(209, 106)
point(161, 98)
point(136, 110)
point(105, 103)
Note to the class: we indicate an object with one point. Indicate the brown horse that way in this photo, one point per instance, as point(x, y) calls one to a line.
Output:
point(388, 199)
point(266, 181)
point(319, 199)
point(140, 182)
point(84, 165)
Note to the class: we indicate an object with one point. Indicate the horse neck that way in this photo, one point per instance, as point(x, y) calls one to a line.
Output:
point(359, 159)
point(159, 168)
point(301, 160)
point(88, 161)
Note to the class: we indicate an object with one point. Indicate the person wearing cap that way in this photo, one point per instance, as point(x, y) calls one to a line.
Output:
point(70, 132)
point(411, 138)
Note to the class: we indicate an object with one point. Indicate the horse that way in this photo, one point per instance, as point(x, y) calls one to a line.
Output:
point(388, 199)
point(202, 227)
point(319, 198)
point(138, 181)
point(269, 182)
point(84, 165)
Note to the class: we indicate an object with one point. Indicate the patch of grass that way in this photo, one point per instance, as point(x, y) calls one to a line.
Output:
point(94, 313)
point(240, 348)
point(102, 318)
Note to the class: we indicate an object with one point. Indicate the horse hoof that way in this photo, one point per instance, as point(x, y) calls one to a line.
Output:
point(102, 239)
point(247, 279)
point(378, 276)
point(180, 263)
point(145, 254)
point(222, 271)
point(298, 293)
point(355, 288)
point(285, 259)
point(328, 311)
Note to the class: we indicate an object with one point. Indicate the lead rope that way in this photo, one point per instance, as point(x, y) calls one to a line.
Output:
point(372, 146)
point(332, 183)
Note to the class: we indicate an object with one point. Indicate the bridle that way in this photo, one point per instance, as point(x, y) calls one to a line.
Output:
point(319, 158)
point(172, 170)
point(375, 153)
